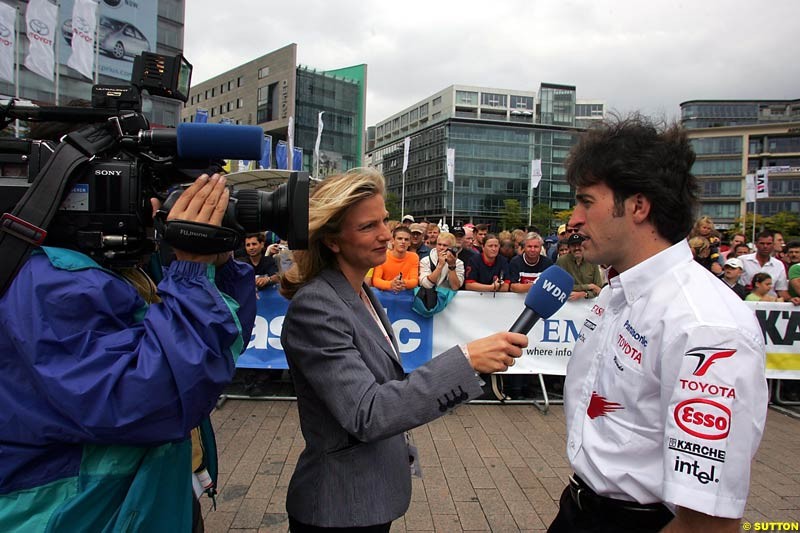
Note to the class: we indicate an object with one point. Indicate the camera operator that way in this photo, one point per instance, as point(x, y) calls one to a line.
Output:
point(100, 390)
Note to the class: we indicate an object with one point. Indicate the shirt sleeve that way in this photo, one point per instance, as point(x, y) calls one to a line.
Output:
point(411, 271)
point(513, 271)
point(377, 279)
point(714, 395)
point(424, 272)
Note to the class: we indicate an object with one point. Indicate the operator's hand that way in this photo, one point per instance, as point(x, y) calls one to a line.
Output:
point(497, 352)
point(205, 201)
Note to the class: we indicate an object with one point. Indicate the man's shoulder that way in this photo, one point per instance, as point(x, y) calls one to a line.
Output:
point(794, 271)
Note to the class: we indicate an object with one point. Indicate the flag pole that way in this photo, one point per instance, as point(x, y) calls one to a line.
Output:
point(57, 55)
point(530, 185)
point(97, 46)
point(16, 67)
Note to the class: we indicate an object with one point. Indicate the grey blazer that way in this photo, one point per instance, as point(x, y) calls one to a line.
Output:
point(355, 403)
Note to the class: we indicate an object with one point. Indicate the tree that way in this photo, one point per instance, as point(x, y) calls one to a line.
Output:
point(564, 216)
point(748, 221)
point(542, 218)
point(785, 222)
point(511, 216)
point(392, 202)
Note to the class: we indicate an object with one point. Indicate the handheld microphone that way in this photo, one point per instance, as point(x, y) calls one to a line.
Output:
point(546, 296)
point(208, 141)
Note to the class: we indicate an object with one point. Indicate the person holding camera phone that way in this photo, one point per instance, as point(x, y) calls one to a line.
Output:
point(449, 269)
point(100, 389)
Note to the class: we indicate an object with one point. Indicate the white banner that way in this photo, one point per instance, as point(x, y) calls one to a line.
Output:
point(40, 20)
point(320, 125)
point(536, 173)
point(8, 17)
point(290, 143)
point(750, 188)
point(762, 183)
point(84, 22)
point(451, 165)
point(406, 146)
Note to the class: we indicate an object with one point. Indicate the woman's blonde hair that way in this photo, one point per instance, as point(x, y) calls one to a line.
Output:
point(327, 207)
point(698, 244)
point(451, 239)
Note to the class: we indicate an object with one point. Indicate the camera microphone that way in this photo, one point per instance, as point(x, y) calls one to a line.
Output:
point(208, 141)
point(546, 296)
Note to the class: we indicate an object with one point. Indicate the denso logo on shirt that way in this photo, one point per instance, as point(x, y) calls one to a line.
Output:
point(703, 418)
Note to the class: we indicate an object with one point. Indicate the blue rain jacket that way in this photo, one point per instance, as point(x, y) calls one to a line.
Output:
point(99, 391)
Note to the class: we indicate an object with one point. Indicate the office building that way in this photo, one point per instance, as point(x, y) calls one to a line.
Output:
point(738, 138)
point(496, 134)
point(273, 88)
point(154, 26)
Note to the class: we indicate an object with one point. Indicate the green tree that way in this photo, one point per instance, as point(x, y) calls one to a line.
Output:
point(788, 224)
point(542, 218)
point(564, 216)
point(748, 221)
point(511, 215)
point(392, 202)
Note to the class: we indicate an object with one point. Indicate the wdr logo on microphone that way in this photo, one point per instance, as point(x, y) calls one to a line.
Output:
point(554, 290)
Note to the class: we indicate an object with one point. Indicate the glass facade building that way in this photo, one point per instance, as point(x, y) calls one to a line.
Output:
point(496, 135)
point(271, 89)
point(719, 113)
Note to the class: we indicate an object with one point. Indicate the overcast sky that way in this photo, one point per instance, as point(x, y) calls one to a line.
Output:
point(635, 55)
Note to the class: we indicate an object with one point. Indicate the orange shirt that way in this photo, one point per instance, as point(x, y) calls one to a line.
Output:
point(385, 273)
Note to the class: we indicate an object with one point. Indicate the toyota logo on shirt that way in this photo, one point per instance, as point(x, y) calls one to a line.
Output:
point(707, 357)
point(703, 418)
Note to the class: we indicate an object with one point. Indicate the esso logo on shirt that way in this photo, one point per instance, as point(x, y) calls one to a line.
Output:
point(703, 418)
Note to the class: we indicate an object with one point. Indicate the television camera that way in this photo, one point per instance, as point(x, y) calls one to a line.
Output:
point(102, 207)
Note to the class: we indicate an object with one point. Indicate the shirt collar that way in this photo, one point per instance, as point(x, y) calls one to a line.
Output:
point(638, 279)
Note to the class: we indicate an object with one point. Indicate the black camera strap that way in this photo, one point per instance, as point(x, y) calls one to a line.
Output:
point(26, 226)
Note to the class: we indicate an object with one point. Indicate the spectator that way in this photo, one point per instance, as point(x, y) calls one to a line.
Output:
point(588, 280)
point(701, 250)
point(481, 230)
point(407, 220)
point(526, 267)
point(731, 273)
point(562, 248)
point(488, 271)
point(507, 249)
point(265, 267)
point(562, 235)
point(518, 236)
point(463, 238)
point(739, 250)
point(418, 245)
point(778, 245)
point(736, 240)
point(704, 227)
point(762, 287)
point(400, 271)
point(762, 261)
point(448, 270)
point(793, 258)
point(433, 232)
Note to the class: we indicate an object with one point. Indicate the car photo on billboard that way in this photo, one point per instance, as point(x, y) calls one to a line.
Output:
point(117, 38)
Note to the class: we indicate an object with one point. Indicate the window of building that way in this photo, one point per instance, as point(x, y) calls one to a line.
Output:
point(437, 100)
point(239, 81)
point(521, 102)
point(239, 103)
point(436, 115)
point(423, 110)
point(466, 97)
point(263, 72)
point(718, 167)
point(717, 145)
point(206, 94)
point(494, 99)
point(404, 120)
point(267, 104)
point(413, 115)
point(230, 85)
point(222, 89)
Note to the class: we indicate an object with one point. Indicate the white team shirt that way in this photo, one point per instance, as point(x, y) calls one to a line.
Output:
point(666, 395)
point(773, 267)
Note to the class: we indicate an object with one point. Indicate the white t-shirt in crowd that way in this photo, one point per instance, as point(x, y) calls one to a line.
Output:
point(773, 267)
point(666, 395)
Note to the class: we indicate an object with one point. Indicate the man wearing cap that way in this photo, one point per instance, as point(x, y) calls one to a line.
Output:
point(563, 234)
point(731, 272)
point(418, 245)
point(588, 280)
point(407, 220)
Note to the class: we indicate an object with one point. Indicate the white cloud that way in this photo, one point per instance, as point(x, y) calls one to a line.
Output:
point(648, 56)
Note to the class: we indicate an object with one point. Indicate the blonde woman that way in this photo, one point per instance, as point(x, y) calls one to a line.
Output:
point(442, 268)
point(354, 398)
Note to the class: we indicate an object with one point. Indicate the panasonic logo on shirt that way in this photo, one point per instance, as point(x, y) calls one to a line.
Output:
point(630, 329)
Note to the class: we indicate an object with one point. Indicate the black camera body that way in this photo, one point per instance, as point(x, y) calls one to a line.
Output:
point(106, 211)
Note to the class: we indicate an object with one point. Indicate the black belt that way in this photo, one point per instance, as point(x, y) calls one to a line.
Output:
point(589, 501)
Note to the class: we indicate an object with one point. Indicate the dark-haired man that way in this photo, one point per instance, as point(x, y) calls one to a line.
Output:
point(762, 260)
point(665, 395)
point(266, 269)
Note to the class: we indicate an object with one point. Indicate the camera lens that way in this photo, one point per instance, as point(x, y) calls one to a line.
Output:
point(283, 211)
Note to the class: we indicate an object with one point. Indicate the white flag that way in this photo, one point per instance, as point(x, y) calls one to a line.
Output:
point(406, 146)
point(451, 164)
point(40, 20)
point(762, 183)
point(290, 144)
point(319, 136)
point(84, 21)
point(8, 17)
point(750, 188)
point(536, 173)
